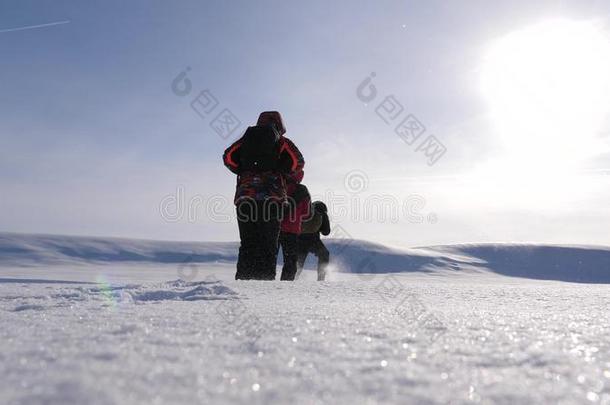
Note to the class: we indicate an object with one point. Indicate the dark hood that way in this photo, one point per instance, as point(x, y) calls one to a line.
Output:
point(272, 117)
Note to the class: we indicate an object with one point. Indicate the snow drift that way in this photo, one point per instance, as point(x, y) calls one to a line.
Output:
point(589, 264)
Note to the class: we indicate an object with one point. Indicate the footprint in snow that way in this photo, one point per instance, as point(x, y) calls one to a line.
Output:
point(28, 307)
point(180, 290)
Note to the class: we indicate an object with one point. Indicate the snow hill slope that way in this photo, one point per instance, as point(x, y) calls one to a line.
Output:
point(114, 321)
point(546, 262)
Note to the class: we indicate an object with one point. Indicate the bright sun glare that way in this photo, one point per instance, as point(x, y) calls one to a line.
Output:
point(548, 89)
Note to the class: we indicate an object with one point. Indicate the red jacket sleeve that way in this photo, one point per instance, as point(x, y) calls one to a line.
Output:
point(291, 160)
point(231, 157)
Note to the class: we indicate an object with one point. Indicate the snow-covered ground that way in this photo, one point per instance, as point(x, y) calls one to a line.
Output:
point(115, 321)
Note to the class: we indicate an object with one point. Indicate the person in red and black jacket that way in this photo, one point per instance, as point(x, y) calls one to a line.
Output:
point(260, 194)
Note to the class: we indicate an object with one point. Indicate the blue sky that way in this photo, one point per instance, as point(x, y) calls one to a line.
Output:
point(94, 140)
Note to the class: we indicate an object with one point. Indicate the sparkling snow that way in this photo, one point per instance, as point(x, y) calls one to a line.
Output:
point(133, 333)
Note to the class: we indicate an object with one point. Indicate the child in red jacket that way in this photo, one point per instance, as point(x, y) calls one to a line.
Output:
point(298, 209)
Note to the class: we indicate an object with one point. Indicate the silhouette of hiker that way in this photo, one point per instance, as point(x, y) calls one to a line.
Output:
point(264, 161)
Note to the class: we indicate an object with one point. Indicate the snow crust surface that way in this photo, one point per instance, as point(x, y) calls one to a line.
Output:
point(155, 333)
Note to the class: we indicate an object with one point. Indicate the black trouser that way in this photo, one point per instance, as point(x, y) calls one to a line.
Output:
point(311, 243)
point(259, 228)
point(288, 243)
